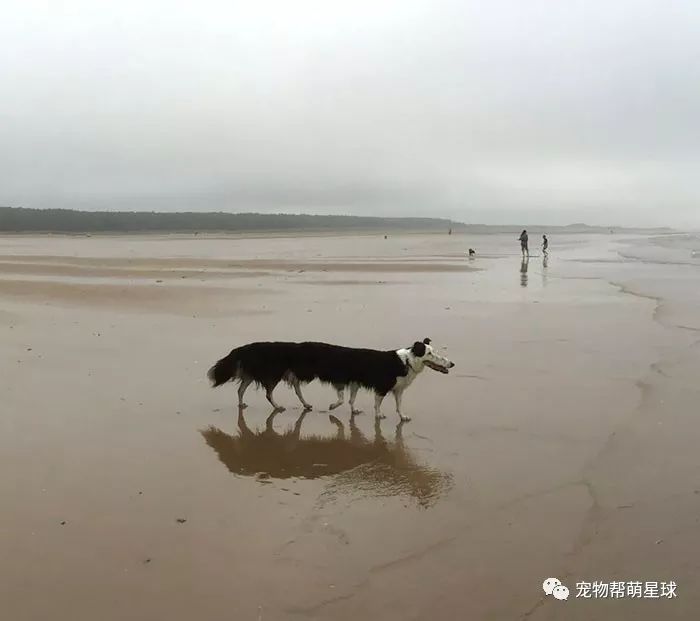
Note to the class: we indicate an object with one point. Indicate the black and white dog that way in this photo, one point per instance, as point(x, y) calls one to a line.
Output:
point(267, 364)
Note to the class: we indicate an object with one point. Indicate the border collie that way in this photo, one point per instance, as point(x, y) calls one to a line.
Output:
point(267, 364)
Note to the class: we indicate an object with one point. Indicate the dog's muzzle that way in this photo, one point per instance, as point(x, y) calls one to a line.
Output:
point(438, 368)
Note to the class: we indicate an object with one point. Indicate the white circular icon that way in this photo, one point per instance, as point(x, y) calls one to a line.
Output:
point(560, 592)
point(550, 584)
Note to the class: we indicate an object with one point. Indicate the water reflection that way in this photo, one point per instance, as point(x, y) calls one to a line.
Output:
point(356, 464)
point(523, 271)
point(545, 261)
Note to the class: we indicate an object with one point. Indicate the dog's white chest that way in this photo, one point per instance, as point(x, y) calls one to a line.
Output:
point(404, 381)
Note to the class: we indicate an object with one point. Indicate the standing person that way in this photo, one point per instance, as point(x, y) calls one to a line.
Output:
point(545, 245)
point(523, 243)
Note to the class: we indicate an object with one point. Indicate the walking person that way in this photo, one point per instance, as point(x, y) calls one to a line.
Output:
point(545, 245)
point(523, 243)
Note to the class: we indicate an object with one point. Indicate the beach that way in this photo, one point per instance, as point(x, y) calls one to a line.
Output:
point(563, 443)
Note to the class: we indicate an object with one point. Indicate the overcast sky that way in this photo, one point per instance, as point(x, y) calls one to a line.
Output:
point(492, 111)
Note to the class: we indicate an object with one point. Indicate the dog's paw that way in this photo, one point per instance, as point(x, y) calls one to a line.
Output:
point(332, 406)
point(355, 412)
point(280, 408)
point(404, 419)
point(242, 406)
point(379, 415)
point(308, 407)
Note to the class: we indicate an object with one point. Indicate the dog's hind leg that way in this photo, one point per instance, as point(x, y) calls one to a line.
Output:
point(297, 389)
point(268, 393)
point(341, 397)
point(245, 382)
point(353, 394)
point(397, 397)
point(378, 404)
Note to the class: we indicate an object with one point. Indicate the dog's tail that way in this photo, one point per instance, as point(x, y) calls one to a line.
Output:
point(224, 370)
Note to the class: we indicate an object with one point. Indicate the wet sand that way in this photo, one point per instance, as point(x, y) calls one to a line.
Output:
point(563, 443)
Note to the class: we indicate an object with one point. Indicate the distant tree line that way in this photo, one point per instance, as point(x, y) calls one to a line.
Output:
point(19, 219)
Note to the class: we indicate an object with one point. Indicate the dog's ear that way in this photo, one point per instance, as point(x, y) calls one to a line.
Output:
point(418, 349)
point(426, 341)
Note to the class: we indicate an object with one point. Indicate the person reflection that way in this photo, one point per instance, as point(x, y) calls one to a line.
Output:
point(523, 271)
point(545, 261)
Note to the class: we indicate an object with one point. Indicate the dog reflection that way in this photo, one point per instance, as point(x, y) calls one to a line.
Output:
point(376, 467)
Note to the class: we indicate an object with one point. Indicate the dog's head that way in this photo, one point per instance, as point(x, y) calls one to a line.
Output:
point(423, 354)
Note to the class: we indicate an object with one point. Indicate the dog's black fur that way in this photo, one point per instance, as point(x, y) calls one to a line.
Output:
point(268, 363)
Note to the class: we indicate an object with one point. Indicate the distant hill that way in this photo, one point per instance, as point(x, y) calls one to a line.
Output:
point(22, 220)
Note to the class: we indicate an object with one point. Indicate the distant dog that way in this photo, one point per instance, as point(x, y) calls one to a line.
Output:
point(267, 364)
point(472, 252)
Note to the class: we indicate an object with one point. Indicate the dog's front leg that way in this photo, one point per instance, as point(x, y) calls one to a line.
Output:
point(353, 394)
point(270, 398)
point(297, 389)
point(339, 401)
point(378, 404)
point(398, 394)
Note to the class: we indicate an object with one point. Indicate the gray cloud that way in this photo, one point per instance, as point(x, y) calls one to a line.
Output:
point(493, 112)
